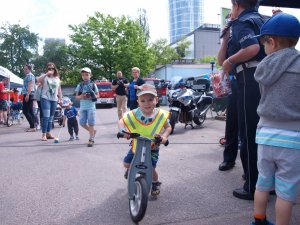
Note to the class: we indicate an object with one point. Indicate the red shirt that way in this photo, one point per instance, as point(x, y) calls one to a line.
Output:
point(14, 96)
point(2, 95)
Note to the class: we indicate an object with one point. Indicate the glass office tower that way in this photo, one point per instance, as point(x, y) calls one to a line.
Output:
point(184, 17)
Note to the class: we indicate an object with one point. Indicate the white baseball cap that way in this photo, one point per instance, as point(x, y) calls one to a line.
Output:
point(146, 89)
point(85, 69)
point(66, 101)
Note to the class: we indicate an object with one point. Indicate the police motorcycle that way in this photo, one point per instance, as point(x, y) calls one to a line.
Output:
point(184, 103)
point(203, 99)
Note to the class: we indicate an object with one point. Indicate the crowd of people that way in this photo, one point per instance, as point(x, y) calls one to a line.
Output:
point(261, 58)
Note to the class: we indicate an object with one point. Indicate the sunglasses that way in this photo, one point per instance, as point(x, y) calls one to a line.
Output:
point(51, 69)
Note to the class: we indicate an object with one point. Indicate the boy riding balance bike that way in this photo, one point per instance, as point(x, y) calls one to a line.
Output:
point(152, 125)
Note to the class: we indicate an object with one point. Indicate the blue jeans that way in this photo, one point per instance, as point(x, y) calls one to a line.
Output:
point(87, 117)
point(48, 108)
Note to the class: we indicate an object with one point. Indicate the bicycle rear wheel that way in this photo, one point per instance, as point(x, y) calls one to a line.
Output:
point(138, 205)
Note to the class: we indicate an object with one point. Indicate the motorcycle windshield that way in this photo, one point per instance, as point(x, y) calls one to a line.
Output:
point(177, 83)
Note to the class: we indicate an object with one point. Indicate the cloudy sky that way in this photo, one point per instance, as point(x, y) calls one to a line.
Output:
point(50, 18)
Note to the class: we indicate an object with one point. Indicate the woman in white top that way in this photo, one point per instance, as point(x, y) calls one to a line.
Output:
point(51, 95)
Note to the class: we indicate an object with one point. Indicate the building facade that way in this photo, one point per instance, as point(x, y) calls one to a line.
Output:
point(205, 41)
point(184, 17)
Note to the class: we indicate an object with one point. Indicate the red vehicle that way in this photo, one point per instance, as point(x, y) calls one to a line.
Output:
point(161, 88)
point(106, 94)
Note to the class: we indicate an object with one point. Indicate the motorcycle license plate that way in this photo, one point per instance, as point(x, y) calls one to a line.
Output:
point(174, 109)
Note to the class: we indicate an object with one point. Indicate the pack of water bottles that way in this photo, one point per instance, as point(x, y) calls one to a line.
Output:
point(220, 84)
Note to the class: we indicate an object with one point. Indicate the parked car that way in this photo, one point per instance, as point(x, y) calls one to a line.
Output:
point(161, 88)
point(106, 94)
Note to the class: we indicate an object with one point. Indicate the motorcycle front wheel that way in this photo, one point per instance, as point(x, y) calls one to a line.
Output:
point(138, 205)
point(173, 118)
point(199, 120)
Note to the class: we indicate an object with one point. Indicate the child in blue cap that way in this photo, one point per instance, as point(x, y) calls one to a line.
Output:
point(70, 114)
point(277, 136)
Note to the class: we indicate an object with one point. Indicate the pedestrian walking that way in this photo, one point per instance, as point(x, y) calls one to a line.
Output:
point(28, 93)
point(87, 92)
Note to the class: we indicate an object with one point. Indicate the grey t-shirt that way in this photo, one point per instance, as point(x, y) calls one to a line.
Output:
point(50, 88)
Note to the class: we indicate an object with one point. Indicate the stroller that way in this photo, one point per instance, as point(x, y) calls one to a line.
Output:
point(58, 116)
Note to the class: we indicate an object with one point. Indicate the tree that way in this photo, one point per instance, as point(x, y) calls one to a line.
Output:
point(18, 46)
point(143, 21)
point(164, 54)
point(56, 51)
point(107, 44)
point(182, 48)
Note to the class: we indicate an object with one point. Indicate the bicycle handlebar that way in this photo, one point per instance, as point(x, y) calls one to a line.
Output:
point(157, 139)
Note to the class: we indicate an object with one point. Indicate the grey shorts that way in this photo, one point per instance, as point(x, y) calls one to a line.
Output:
point(279, 168)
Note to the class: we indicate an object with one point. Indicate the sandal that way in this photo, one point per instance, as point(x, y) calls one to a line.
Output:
point(44, 138)
point(49, 136)
point(30, 130)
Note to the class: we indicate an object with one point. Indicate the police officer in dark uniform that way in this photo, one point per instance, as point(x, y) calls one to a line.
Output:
point(231, 130)
point(247, 53)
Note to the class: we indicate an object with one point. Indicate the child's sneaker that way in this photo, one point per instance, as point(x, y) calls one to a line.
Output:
point(155, 188)
point(77, 138)
point(90, 143)
point(261, 222)
point(126, 174)
point(71, 138)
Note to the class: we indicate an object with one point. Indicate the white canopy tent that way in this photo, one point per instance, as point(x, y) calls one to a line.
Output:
point(15, 81)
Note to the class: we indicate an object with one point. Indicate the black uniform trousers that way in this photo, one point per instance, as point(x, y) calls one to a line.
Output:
point(248, 99)
point(73, 126)
point(231, 130)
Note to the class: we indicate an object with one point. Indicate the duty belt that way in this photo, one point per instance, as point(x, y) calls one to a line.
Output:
point(243, 66)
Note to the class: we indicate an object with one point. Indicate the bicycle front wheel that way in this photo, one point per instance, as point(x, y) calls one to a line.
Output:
point(138, 205)
point(10, 120)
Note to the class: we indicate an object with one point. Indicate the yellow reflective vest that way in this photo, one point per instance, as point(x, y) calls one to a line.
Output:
point(133, 125)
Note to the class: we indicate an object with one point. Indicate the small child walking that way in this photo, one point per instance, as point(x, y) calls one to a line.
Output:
point(70, 114)
point(36, 114)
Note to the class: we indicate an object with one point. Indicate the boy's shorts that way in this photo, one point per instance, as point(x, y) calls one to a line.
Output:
point(154, 157)
point(279, 167)
point(87, 116)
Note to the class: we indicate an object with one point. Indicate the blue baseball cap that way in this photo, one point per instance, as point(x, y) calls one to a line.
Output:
point(281, 24)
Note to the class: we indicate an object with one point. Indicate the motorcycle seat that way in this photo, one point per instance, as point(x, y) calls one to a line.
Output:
point(197, 97)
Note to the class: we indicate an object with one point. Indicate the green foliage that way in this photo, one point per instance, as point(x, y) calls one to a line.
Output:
point(107, 44)
point(182, 48)
point(208, 59)
point(17, 47)
point(163, 53)
point(56, 51)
